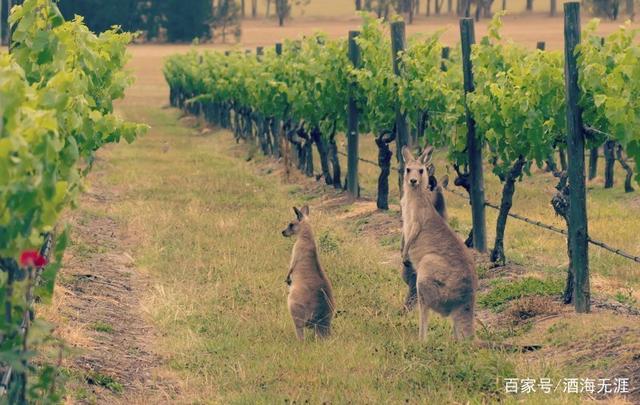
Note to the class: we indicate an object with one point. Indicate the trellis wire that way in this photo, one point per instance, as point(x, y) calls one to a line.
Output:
point(533, 222)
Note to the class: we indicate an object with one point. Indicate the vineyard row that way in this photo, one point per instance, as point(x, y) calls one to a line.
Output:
point(490, 103)
point(57, 86)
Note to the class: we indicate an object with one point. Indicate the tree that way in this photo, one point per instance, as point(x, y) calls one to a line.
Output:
point(283, 8)
point(604, 8)
point(187, 23)
point(100, 15)
point(3, 20)
point(226, 19)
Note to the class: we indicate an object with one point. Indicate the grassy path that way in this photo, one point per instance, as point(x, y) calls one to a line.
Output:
point(204, 229)
point(208, 226)
point(208, 229)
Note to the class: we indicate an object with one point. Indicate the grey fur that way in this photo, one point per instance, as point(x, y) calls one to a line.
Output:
point(310, 298)
point(446, 280)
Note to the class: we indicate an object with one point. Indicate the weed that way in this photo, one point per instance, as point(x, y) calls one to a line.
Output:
point(105, 381)
point(328, 243)
point(504, 291)
point(391, 240)
point(626, 297)
point(104, 327)
point(454, 223)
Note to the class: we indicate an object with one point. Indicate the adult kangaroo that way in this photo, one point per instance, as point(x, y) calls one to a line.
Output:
point(446, 280)
point(408, 271)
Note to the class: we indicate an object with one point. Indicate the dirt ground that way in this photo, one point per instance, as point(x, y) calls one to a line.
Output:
point(526, 29)
point(97, 311)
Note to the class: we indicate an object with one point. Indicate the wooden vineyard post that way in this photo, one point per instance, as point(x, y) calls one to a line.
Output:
point(609, 162)
point(594, 151)
point(474, 144)
point(10, 4)
point(446, 51)
point(398, 44)
point(2, 22)
point(578, 230)
point(283, 144)
point(276, 125)
point(352, 122)
point(593, 162)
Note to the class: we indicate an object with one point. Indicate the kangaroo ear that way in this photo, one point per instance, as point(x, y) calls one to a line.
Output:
point(426, 156)
point(407, 155)
point(305, 210)
point(445, 181)
point(298, 213)
point(431, 169)
point(433, 183)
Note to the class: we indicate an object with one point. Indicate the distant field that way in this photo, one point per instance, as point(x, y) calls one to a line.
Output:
point(342, 8)
point(338, 19)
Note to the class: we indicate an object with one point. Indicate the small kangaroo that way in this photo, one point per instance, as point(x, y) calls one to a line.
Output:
point(310, 298)
point(446, 280)
point(438, 192)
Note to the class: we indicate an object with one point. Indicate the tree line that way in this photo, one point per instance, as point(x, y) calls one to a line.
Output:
point(157, 20)
point(173, 20)
point(164, 20)
point(218, 20)
point(483, 8)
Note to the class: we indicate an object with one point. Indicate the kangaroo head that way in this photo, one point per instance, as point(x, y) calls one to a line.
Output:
point(294, 226)
point(416, 171)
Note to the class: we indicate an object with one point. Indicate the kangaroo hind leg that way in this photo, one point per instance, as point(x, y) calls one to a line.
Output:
point(409, 277)
point(299, 321)
point(423, 307)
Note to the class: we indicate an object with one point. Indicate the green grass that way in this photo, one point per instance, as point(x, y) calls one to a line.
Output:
point(392, 241)
point(207, 226)
point(78, 384)
point(102, 327)
point(626, 297)
point(105, 381)
point(211, 240)
point(328, 243)
point(504, 291)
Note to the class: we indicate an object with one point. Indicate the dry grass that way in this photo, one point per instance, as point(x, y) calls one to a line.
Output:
point(207, 225)
point(97, 315)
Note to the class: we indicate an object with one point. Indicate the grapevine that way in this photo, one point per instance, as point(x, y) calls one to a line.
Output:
point(57, 88)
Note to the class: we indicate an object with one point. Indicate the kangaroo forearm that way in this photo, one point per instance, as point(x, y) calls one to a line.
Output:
point(291, 267)
point(410, 239)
